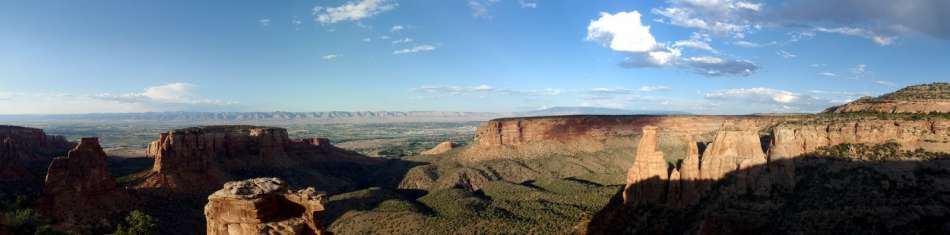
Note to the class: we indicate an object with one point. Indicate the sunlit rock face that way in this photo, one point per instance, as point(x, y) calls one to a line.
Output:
point(645, 178)
point(264, 206)
point(440, 148)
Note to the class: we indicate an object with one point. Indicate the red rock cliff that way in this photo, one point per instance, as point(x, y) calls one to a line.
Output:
point(516, 131)
point(79, 189)
point(21, 147)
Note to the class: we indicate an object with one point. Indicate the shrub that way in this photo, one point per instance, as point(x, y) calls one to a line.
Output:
point(137, 223)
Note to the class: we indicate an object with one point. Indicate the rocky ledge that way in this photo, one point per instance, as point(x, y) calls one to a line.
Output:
point(264, 206)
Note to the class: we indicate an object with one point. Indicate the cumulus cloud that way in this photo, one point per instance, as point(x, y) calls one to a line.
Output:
point(624, 32)
point(776, 100)
point(352, 11)
point(416, 49)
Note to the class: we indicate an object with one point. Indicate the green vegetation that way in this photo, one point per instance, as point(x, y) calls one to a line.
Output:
point(931, 91)
point(17, 217)
point(880, 152)
point(137, 223)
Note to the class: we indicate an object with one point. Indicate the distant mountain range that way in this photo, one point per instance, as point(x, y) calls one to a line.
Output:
point(315, 117)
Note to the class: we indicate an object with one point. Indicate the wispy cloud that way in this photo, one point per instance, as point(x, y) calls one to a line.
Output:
point(404, 40)
point(352, 11)
point(416, 49)
point(330, 56)
point(264, 22)
point(785, 54)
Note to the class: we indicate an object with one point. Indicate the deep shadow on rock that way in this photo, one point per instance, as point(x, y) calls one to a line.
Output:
point(831, 195)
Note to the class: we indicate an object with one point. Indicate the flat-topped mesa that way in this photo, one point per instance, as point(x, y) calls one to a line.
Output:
point(924, 98)
point(264, 206)
point(196, 159)
point(79, 189)
point(441, 148)
point(518, 131)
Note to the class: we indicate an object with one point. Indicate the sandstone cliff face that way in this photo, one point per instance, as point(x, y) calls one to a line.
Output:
point(79, 189)
point(439, 149)
point(264, 206)
point(924, 98)
point(199, 160)
point(22, 147)
point(646, 178)
point(518, 131)
point(793, 139)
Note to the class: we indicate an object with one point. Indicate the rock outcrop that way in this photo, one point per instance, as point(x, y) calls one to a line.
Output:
point(519, 131)
point(264, 206)
point(79, 189)
point(925, 98)
point(22, 149)
point(646, 179)
point(198, 160)
point(440, 148)
point(794, 138)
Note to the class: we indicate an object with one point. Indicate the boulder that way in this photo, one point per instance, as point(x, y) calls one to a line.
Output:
point(264, 206)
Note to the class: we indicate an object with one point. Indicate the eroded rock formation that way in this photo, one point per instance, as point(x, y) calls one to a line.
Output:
point(518, 131)
point(646, 179)
point(264, 206)
point(198, 160)
point(23, 148)
point(440, 148)
point(79, 189)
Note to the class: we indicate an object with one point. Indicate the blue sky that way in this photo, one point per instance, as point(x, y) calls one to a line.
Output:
point(700, 56)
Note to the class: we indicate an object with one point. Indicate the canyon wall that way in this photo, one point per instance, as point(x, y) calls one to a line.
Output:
point(517, 131)
point(21, 148)
point(794, 138)
point(892, 106)
point(79, 189)
point(198, 160)
point(263, 206)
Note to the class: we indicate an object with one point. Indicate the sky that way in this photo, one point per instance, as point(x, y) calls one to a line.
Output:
point(698, 56)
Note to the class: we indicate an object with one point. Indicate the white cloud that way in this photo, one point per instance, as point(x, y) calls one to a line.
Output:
point(695, 44)
point(384, 37)
point(653, 88)
point(828, 74)
point(480, 7)
point(528, 3)
point(877, 37)
point(776, 100)
point(416, 49)
point(397, 28)
point(748, 44)
point(264, 22)
point(330, 56)
point(715, 66)
point(168, 97)
point(296, 21)
point(352, 11)
point(721, 17)
point(367, 39)
point(785, 54)
point(622, 32)
point(404, 40)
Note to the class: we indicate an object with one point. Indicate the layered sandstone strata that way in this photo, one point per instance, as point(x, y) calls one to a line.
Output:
point(647, 178)
point(924, 98)
point(79, 188)
point(264, 206)
point(518, 131)
point(199, 160)
point(441, 148)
